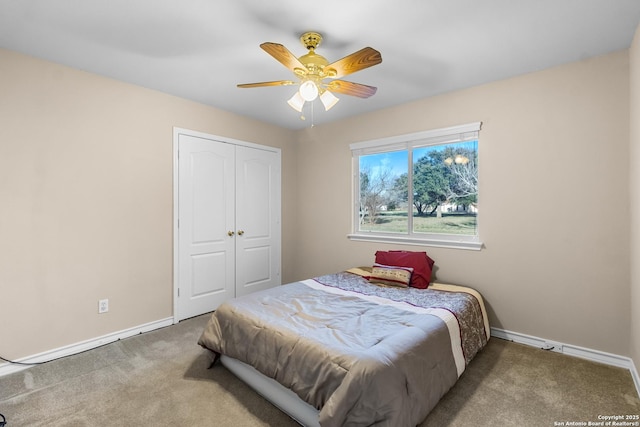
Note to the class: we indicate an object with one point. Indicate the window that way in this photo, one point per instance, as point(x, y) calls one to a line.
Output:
point(420, 188)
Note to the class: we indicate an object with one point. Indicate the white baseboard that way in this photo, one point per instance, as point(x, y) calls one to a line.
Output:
point(572, 350)
point(8, 368)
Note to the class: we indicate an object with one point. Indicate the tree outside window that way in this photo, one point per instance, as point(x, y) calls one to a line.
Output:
point(440, 196)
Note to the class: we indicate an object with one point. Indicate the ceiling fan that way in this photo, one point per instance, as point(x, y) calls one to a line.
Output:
point(312, 69)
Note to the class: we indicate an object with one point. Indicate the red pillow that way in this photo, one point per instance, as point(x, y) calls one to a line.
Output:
point(419, 261)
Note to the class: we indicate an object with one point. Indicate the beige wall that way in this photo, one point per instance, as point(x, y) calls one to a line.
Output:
point(86, 212)
point(554, 210)
point(635, 196)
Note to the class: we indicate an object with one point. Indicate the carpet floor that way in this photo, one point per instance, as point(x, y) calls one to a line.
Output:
point(161, 378)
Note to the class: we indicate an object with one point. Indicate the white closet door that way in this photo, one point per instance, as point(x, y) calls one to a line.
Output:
point(257, 220)
point(206, 203)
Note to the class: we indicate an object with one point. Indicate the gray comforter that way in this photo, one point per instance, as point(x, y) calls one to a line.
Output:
point(357, 359)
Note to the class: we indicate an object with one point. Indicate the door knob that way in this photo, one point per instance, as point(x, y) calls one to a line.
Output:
point(240, 232)
point(230, 233)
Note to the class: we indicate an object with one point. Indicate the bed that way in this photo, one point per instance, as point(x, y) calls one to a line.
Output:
point(340, 350)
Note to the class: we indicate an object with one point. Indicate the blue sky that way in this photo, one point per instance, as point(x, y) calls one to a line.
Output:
point(397, 160)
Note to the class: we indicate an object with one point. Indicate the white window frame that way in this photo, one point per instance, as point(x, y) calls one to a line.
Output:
point(447, 135)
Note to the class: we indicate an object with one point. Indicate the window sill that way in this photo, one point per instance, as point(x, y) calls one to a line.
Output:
point(452, 244)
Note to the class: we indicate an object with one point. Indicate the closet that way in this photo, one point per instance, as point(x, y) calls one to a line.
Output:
point(228, 232)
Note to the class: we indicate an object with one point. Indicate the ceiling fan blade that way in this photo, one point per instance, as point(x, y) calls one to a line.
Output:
point(263, 84)
point(353, 89)
point(283, 55)
point(364, 58)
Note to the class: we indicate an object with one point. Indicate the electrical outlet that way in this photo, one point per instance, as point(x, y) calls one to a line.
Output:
point(103, 306)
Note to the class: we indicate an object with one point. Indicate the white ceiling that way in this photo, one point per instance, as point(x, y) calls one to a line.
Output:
point(200, 49)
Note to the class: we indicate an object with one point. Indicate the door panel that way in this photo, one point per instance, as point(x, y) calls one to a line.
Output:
point(204, 267)
point(208, 184)
point(258, 220)
point(255, 182)
point(258, 260)
point(206, 199)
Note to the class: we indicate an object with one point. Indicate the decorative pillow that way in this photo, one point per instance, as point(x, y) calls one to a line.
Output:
point(360, 271)
point(421, 263)
point(392, 276)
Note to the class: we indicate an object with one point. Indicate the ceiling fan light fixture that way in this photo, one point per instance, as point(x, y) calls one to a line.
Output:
point(328, 100)
point(308, 90)
point(296, 102)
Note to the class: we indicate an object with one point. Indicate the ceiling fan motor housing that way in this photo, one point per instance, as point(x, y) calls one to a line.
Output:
point(313, 62)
